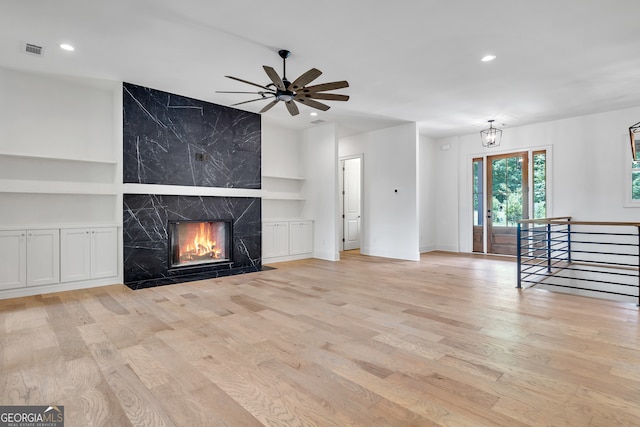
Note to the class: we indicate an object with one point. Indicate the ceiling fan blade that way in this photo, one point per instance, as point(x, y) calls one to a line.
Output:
point(325, 86)
point(247, 82)
point(293, 108)
point(327, 96)
point(275, 78)
point(252, 100)
point(311, 103)
point(307, 77)
point(268, 106)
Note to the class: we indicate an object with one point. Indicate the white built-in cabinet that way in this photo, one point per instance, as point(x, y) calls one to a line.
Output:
point(13, 259)
point(88, 253)
point(48, 191)
point(300, 237)
point(43, 257)
point(65, 172)
point(285, 240)
point(29, 258)
point(38, 257)
point(275, 239)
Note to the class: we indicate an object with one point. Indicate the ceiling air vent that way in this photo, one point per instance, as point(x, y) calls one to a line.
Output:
point(33, 49)
point(317, 122)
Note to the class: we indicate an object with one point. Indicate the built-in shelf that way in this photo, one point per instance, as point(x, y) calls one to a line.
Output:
point(273, 195)
point(279, 187)
point(57, 158)
point(55, 187)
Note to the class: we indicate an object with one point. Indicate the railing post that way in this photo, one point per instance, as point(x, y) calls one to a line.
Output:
point(549, 248)
point(569, 241)
point(638, 304)
point(519, 255)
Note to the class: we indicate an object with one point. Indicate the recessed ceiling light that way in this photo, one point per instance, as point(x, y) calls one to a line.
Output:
point(65, 46)
point(313, 114)
point(488, 58)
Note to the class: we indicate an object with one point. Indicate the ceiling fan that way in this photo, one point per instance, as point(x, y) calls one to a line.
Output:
point(281, 89)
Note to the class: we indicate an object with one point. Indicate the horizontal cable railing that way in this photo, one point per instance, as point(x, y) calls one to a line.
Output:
point(592, 257)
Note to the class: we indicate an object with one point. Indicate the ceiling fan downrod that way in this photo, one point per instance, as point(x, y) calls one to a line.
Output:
point(284, 54)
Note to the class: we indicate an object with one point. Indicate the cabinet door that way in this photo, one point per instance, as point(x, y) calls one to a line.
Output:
point(43, 257)
point(104, 252)
point(75, 254)
point(300, 237)
point(275, 239)
point(282, 239)
point(268, 240)
point(13, 259)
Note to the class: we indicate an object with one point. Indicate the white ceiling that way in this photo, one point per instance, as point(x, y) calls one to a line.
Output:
point(405, 60)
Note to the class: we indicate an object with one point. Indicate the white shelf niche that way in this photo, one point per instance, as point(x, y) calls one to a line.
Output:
point(55, 187)
point(282, 187)
point(49, 175)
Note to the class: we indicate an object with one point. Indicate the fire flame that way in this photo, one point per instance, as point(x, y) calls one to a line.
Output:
point(199, 244)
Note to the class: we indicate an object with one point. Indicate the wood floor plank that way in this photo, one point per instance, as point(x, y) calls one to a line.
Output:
point(365, 341)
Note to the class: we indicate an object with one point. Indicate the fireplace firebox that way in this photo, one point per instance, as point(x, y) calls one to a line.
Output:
point(195, 243)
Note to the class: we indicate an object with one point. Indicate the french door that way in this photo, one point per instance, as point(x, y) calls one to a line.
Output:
point(507, 200)
point(501, 198)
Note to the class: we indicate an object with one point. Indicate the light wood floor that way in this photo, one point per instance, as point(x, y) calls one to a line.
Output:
point(361, 342)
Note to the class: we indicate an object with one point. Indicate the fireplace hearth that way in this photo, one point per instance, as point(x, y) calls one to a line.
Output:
point(195, 243)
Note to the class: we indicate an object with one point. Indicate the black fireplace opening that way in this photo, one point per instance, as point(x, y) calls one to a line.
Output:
point(199, 243)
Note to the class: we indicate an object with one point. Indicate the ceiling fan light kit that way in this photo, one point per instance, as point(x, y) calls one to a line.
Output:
point(282, 90)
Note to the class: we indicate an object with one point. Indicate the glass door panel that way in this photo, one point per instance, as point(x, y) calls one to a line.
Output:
point(507, 200)
point(478, 205)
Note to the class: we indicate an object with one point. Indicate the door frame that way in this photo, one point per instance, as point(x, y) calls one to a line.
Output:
point(469, 177)
point(341, 217)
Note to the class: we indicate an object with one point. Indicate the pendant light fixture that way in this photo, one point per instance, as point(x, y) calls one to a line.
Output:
point(632, 131)
point(491, 136)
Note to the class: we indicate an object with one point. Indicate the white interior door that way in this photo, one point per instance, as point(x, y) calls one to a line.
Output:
point(351, 207)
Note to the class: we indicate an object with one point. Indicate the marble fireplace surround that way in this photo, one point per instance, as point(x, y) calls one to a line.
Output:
point(170, 139)
point(146, 240)
point(187, 159)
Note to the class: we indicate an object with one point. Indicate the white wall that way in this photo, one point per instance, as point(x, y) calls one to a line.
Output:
point(58, 117)
point(586, 173)
point(427, 194)
point(390, 219)
point(320, 157)
point(280, 150)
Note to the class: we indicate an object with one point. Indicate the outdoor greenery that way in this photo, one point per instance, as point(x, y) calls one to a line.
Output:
point(539, 185)
point(507, 204)
point(506, 209)
point(478, 196)
point(635, 180)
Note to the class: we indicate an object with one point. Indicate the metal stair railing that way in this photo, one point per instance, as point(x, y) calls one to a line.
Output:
point(592, 257)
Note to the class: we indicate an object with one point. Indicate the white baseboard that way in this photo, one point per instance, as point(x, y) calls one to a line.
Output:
point(58, 287)
point(267, 261)
point(427, 248)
